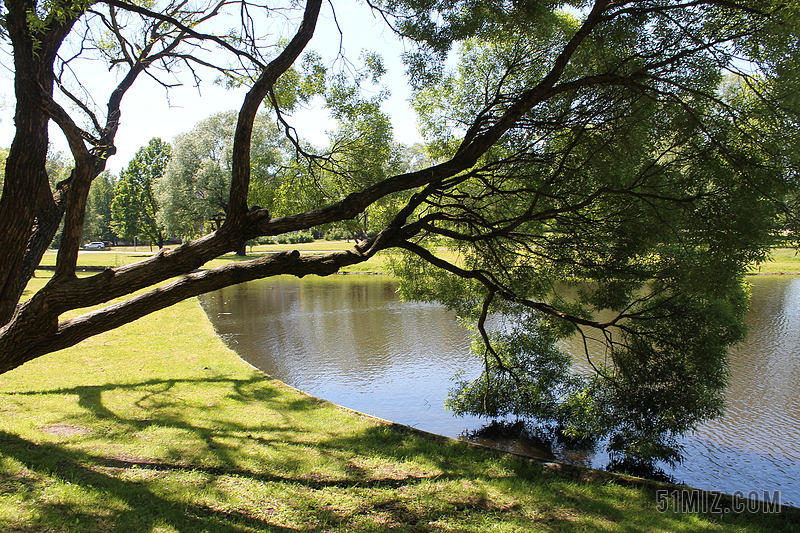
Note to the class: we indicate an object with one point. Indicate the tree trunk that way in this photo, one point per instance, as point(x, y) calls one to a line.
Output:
point(26, 185)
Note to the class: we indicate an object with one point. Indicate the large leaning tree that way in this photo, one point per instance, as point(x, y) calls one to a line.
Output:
point(604, 169)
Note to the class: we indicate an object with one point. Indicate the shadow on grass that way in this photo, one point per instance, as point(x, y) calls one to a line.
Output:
point(137, 507)
point(128, 486)
point(249, 455)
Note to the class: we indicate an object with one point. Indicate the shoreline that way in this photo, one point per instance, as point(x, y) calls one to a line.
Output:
point(552, 463)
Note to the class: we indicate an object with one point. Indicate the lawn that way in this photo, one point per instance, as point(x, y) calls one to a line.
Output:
point(780, 261)
point(125, 255)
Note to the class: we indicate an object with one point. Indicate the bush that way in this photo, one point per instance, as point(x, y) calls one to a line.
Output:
point(338, 234)
point(294, 237)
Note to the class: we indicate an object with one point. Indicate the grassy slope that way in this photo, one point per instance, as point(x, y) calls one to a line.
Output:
point(781, 260)
point(158, 427)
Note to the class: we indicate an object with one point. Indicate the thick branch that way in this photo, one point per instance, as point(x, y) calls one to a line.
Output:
point(240, 172)
point(18, 346)
point(25, 178)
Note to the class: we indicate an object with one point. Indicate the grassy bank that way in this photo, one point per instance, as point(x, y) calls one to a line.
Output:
point(158, 427)
point(120, 256)
point(780, 261)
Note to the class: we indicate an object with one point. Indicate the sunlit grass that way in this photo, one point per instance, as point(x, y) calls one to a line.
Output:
point(780, 261)
point(108, 258)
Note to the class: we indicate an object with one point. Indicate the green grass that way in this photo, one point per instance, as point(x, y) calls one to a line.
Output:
point(112, 258)
point(158, 427)
point(120, 256)
point(780, 261)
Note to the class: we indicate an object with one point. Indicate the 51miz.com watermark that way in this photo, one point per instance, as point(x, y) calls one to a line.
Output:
point(703, 502)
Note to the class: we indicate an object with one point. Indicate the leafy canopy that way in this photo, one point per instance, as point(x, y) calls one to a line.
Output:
point(622, 213)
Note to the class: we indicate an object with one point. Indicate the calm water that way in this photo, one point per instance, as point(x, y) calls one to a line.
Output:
point(348, 339)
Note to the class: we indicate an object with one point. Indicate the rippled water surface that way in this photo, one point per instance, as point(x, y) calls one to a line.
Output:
point(348, 339)
point(756, 445)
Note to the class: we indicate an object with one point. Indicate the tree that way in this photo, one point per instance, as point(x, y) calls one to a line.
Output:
point(194, 188)
point(616, 213)
point(135, 207)
point(593, 148)
point(97, 224)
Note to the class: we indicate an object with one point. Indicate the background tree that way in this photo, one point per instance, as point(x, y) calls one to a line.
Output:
point(135, 207)
point(97, 225)
point(589, 149)
point(58, 167)
point(195, 187)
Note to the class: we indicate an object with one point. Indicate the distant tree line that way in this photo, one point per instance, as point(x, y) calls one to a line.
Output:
point(173, 192)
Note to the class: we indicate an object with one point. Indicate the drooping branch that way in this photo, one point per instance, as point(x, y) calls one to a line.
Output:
point(495, 287)
point(452, 198)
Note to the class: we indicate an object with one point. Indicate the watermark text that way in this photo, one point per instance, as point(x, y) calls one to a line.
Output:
point(703, 502)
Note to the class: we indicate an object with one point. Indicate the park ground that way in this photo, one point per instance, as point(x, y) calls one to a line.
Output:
point(782, 260)
point(159, 427)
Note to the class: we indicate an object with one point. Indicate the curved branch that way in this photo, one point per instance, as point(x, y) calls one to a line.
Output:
point(240, 171)
point(186, 29)
point(15, 338)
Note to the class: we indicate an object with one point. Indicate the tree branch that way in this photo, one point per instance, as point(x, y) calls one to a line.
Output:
point(240, 171)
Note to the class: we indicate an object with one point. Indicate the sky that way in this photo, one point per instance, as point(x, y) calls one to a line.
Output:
point(148, 111)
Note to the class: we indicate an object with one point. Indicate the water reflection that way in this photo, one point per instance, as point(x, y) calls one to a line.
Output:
point(755, 445)
point(349, 340)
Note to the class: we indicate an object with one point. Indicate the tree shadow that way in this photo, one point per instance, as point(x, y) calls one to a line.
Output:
point(287, 474)
point(108, 472)
point(161, 405)
point(139, 503)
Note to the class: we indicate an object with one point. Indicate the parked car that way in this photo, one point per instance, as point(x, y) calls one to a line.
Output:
point(95, 246)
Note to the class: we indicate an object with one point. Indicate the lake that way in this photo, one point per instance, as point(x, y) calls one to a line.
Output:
point(350, 340)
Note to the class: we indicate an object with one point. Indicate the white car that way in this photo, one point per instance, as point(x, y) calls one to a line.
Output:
point(95, 246)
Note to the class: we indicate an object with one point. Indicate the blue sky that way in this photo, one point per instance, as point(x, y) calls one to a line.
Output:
point(147, 111)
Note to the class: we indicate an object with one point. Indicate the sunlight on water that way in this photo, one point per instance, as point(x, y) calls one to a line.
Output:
point(754, 446)
point(349, 340)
